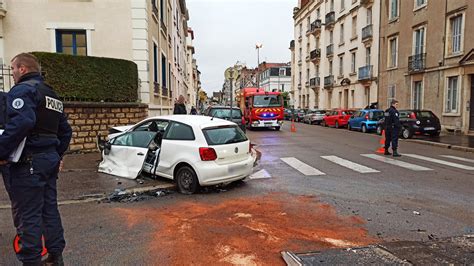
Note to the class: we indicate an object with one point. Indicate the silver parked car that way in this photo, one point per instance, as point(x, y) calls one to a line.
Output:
point(314, 116)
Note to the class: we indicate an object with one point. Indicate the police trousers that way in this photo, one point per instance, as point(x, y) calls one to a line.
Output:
point(31, 185)
point(391, 136)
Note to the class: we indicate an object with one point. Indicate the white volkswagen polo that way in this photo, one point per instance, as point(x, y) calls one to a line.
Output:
point(192, 150)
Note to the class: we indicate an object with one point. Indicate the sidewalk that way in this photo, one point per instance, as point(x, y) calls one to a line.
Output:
point(80, 180)
point(455, 141)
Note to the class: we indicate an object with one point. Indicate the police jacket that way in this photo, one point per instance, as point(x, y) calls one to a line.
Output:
point(34, 111)
point(392, 118)
point(3, 109)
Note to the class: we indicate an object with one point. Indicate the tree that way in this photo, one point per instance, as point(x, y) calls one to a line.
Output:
point(286, 98)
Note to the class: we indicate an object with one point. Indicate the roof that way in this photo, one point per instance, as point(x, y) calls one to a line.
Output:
point(194, 120)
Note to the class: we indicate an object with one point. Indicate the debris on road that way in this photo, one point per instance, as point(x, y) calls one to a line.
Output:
point(416, 213)
point(122, 196)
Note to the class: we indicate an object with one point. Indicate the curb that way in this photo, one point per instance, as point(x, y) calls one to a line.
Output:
point(103, 196)
point(442, 145)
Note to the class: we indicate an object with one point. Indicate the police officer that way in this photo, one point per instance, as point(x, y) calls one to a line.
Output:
point(35, 112)
point(392, 128)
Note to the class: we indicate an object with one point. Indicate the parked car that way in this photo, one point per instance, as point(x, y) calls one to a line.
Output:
point(223, 112)
point(365, 120)
point(314, 116)
point(287, 114)
point(192, 150)
point(426, 121)
point(407, 130)
point(337, 118)
point(299, 114)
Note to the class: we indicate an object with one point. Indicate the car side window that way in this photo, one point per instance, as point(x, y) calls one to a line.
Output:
point(153, 126)
point(134, 139)
point(179, 131)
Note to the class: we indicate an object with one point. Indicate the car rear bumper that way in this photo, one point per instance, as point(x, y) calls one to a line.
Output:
point(266, 123)
point(211, 173)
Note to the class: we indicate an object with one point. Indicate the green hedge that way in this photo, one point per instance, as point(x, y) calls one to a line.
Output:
point(88, 78)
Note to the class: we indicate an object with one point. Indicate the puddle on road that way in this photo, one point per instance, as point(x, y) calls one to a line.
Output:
point(245, 231)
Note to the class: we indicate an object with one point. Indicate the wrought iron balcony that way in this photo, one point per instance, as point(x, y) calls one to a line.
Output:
point(315, 27)
point(315, 55)
point(330, 50)
point(314, 82)
point(164, 91)
point(417, 62)
point(330, 19)
point(299, 86)
point(328, 81)
point(306, 84)
point(367, 33)
point(365, 72)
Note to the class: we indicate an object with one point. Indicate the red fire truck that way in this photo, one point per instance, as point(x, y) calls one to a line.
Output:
point(261, 108)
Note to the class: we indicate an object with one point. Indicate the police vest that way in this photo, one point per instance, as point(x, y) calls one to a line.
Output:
point(49, 110)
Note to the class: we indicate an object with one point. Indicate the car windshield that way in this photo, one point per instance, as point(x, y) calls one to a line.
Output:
point(225, 113)
point(267, 100)
point(224, 135)
point(320, 112)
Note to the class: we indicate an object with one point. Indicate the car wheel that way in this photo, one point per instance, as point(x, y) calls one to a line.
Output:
point(323, 123)
point(187, 180)
point(379, 130)
point(337, 124)
point(277, 128)
point(406, 133)
point(364, 129)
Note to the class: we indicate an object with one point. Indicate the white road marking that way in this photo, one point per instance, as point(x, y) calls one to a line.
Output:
point(260, 175)
point(301, 167)
point(458, 158)
point(351, 165)
point(429, 159)
point(410, 166)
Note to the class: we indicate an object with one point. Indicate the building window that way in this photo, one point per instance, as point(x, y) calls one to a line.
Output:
point(417, 95)
point(343, 4)
point(301, 53)
point(393, 52)
point(331, 37)
point(419, 41)
point(299, 78)
point(341, 40)
point(301, 29)
point(369, 16)
point(308, 20)
point(455, 39)
point(367, 56)
point(391, 94)
point(393, 9)
point(331, 7)
point(155, 64)
point(354, 27)
point(330, 67)
point(452, 95)
point(317, 70)
point(420, 3)
point(163, 71)
point(162, 11)
point(71, 42)
point(341, 66)
point(282, 72)
point(307, 75)
point(353, 62)
point(318, 13)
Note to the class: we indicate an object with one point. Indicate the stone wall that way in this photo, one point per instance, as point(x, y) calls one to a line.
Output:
point(88, 120)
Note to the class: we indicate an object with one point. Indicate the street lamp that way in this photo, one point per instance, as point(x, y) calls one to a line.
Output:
point(258, 46)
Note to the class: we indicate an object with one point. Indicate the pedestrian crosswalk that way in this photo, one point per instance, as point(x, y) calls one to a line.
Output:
point(415, 164)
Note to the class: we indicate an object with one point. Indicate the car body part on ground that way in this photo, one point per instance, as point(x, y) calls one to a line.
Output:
point(193, 151)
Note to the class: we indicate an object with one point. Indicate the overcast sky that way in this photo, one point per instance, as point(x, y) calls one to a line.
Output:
point(226, 31)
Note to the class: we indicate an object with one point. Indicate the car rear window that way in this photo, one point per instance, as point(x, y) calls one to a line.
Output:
point(377, 115)
point(224, 135)
point(225, 113)
point(424, 114)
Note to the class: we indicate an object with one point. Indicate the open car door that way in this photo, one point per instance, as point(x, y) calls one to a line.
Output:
point(124, 155)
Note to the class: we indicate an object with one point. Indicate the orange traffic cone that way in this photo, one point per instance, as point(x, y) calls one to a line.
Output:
point(293, 127)
point(382, 144)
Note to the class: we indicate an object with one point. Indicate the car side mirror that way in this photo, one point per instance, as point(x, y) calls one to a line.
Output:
point(107, 148)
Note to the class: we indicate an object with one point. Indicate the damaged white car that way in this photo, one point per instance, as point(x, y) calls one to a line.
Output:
point(192, 150)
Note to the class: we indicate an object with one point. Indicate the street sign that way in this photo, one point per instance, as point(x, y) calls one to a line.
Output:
point(231, 73)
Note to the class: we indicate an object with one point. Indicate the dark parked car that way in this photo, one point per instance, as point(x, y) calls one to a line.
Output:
point(288, 114)
point(426, 121)
point(223, 112)
point(298, 115)
point(408, 126)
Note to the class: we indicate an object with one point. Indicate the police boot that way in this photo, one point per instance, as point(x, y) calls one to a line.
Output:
point(54, 260)
point(386, 152)
point(396, 154)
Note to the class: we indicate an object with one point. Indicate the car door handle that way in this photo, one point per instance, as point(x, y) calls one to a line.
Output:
point(140, 154)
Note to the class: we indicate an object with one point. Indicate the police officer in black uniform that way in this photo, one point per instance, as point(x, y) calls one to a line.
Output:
point(392, 128)
point(35, 112)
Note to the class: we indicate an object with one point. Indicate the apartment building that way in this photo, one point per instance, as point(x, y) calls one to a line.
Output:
point(136, 30)
point(334, 54)
point(427, 58)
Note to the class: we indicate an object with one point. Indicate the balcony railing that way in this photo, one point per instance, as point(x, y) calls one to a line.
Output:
point(315, 54)
point(365, 72)
point(314, 82)
point(315, 26)
point(299, 86)
point(328, 81)
point(416, 62)
point(330, 50)
point(306, 83)
point(330, 18)
point(367, 32)
point(164, 91)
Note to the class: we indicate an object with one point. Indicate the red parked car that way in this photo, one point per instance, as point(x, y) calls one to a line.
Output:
point(337, 118)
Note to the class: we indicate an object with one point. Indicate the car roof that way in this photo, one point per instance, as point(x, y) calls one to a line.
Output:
point(196, 120)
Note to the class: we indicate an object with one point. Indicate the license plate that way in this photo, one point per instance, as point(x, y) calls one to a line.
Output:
point(429, 128)
point(268, 123)
point(234, 169)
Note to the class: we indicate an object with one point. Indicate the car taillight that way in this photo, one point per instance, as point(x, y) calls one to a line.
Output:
point(243, 120)
point(413, 115)
point(207, 154)
point(366, 117)
point(251, 145)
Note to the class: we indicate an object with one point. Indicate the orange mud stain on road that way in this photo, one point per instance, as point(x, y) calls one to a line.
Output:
point(245, 231)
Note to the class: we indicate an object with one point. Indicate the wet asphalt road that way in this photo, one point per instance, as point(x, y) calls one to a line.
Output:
point(385, 201)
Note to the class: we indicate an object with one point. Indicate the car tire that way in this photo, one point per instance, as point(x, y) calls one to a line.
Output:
point(186, 180)
point(364, 129)
point(324, 124)
point(336, 125)
point(277, 128)
point(406, 133)
point(379, 130)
